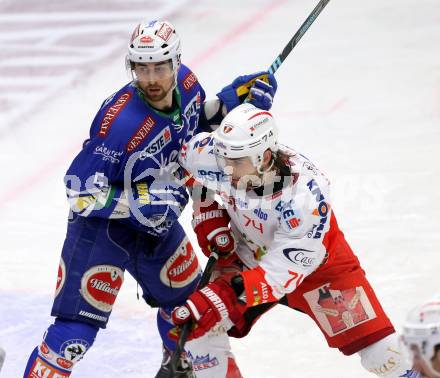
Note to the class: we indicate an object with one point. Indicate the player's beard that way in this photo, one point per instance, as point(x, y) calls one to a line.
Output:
point(157, 92)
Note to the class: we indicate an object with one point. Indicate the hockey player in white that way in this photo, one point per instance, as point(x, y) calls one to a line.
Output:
point(421, 335)
point(280, 243)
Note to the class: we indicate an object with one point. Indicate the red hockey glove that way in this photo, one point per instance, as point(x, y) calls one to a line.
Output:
point(206, 307)
point(211, 225)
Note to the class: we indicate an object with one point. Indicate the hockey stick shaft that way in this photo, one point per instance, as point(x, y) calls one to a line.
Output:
point(286, 51)
point(186, 328)
point(298, 35)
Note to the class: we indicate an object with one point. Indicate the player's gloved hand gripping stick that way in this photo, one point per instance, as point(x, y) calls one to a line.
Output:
point(186, 328)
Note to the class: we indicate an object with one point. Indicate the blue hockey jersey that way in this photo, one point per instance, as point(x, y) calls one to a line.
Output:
point(130, 144)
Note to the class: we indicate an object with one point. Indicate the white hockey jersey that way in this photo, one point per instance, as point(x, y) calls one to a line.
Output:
point(280, 234)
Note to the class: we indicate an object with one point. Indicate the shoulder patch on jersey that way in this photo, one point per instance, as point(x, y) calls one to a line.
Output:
point(112, 112)
point(142, 132)
point(189, 81)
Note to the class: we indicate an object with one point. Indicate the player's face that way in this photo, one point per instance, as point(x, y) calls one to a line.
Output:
point(155, 79)
point(420, 365)
point(241, 171)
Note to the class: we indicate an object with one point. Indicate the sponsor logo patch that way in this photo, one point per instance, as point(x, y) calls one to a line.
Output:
point(339, 310)
point(203, 362)
point(65, 364)
point(108, 154)
point(40, 369)
point(260, 214)
point(260, 294)
point(74, 349)
point(157, 144)
point(227, 129)
point(61, 277)
point(146, 39)
point(200, 145)
point(211, 175)
point(100, 286)
point(112, 112)
point(189, 81)
point(322, 210)
point(290, 216)
point(44, 349)
point(93, 316)
point(165, 32)
point(222, 240)
point(299, 256)
point(182, 267)
point(140, 135)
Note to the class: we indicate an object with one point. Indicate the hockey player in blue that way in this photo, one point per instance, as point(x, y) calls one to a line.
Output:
point(125, 196)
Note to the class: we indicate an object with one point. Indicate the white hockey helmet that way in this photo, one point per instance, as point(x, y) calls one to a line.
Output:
point(152, 42)
point(422, 330)
point(246, 131)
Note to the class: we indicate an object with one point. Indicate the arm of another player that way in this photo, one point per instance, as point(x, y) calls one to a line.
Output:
point(258, 88)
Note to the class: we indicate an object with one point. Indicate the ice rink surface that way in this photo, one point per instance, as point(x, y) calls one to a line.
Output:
point(360, 96)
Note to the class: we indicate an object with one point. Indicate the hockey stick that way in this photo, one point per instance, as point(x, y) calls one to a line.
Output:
point(186, 328)
point(287, 49)
point(298, 35)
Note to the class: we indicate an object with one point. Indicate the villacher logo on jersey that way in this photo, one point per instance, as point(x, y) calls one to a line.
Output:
point(100, 286)
point(182, 267)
